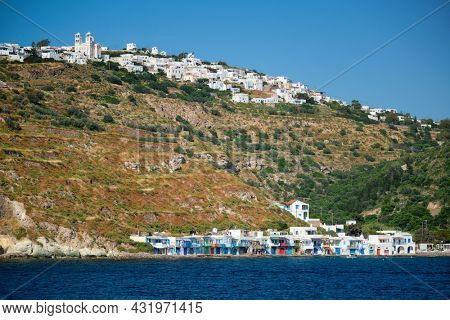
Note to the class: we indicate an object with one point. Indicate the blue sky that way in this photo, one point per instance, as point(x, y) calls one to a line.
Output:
point(308, 41)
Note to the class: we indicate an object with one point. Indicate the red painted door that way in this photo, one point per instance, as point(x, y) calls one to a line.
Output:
point(378, 251)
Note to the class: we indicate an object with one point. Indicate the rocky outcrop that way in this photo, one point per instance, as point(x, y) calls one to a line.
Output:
point(247, 196)
point(175, 163)
point(224, 163)
point(220, 161)
point(135, 166)
point(45, 248)
point(64, 243)
point(326, 170)
point(254, 164)
point(434, 208)
point(15, 209)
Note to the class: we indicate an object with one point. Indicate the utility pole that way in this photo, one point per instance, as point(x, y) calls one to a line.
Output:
point(424, 223)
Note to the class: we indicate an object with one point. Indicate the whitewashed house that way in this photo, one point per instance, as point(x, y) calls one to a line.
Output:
point(134, 68)
point(253, 84)
point(240, 97)
point(297, 208)
point(51, 55)
point(338, 228)
point(380, 245)
point(354, 246)
point(402, 242)
point(175, 71)
point(302, 231)
point(390, 242)
point(218, 85)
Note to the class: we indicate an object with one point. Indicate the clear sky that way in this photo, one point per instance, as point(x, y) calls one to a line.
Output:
point(308, 41)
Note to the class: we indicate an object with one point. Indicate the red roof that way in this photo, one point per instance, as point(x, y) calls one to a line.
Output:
point(290, 202)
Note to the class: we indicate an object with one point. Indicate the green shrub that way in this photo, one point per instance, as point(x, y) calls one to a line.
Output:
point(179, 149)
point(132, 99)
point(308, 151)
point(35, 96)
point(47, 87)
point(114, 80)
point(96, 77)
point(369, 158)
point(107, 118)
point(94, 126)
point(110, 99)
point(71, 88)
point(12, 124)
point(140, 88)
point(14, 76)
point(376, 146)
point(75, 112)
point(319, 145)
point(215, 112)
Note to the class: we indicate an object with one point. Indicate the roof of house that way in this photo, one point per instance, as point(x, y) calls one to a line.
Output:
point(292, 201)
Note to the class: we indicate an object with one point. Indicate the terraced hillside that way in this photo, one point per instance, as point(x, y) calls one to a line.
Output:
point(98, 150)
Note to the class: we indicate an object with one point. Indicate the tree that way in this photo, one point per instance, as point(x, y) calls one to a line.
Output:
point(392, 118)
point(444, 124)
point(40, 43)
point(354, 230)
point(301, 95)
point(356, 105)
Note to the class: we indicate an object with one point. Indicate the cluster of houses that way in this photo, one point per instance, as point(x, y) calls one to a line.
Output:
point(295, 242)
point(379, 114)
point(264, 89)
point(315, 239)
point(245, 85)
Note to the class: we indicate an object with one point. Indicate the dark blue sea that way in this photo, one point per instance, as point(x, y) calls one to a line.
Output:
point(232, 278)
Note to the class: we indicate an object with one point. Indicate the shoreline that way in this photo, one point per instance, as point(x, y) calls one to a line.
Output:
point(148, 256)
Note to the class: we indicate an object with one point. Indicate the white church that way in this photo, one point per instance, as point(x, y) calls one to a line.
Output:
point(89, 48)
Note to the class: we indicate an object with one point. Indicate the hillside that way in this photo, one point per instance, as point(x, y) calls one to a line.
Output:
point(99, 150)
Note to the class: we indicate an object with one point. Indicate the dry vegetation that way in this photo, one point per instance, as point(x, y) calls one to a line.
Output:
point(110, 178)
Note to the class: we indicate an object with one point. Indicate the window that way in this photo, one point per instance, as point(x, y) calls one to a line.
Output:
point(305, 207)
point(297, 207)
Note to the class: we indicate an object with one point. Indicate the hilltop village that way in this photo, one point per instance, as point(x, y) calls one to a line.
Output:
point(246, 86)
